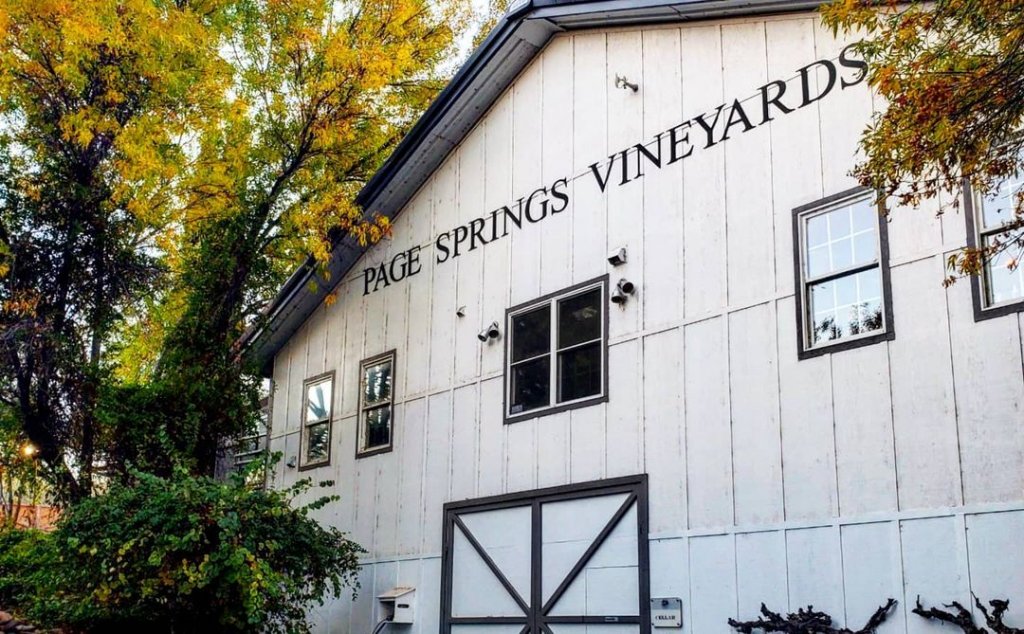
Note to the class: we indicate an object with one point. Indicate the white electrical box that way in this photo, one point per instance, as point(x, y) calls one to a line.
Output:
point(399, 604)
point(667, 612)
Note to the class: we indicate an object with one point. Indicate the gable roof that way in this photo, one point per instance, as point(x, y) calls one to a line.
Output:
point(489, 71)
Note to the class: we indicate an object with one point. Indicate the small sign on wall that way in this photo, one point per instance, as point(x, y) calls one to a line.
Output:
point(667, 612)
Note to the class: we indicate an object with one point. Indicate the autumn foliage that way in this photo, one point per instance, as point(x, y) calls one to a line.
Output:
point(952, 73)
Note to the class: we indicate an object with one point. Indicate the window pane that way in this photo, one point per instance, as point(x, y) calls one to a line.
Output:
point(997, 207)
point(847, 306)
point(377, 428)
point(579, 372)
point(317, 437)
point(1003, 281)
point(531, 333)
point(530, 385)
point(579, 319)
point(841, 238)
point(377, 383)
point(318, 401)
point(817, 231)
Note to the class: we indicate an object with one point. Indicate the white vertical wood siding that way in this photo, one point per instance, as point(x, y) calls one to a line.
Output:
point(895, 469)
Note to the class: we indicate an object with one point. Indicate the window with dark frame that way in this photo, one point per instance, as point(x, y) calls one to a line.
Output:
point(1000, 287)
point(316, 427)
point(842, 275)
point(557, 352)
point(376, 404)
point(253, 446)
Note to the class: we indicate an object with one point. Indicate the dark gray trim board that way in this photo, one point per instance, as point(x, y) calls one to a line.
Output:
point(485, 76)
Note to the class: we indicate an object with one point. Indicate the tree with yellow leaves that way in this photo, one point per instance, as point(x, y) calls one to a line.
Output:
point(164, 164)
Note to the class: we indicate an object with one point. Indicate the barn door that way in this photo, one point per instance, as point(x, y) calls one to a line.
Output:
point(568, 560)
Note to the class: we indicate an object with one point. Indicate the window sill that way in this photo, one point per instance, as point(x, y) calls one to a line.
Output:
point(557, 409)
point(315, 465)
point(849, 344)
point(376, 451)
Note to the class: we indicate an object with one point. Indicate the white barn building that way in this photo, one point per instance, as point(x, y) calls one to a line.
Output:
point(639, 336)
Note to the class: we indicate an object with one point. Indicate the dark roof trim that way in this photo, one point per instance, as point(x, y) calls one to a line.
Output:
point(492, 68)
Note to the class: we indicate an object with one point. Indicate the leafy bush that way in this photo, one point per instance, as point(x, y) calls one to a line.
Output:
point(23, 554)
point(182, 554)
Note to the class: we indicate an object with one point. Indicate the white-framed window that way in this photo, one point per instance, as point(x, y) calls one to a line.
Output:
point(376, 405)
point(842, 273)
point(1000, 287)
point(556, 352)
point(318, 398)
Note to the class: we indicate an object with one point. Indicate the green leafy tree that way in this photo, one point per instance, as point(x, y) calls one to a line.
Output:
point(94, 96)
point(163, 165)
point(952, 73)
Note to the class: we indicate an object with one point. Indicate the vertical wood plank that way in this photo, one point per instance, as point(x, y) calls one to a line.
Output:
point(934, 567)
point(625, 199)
point(411, 444)
point(436, 469)
point(815, 570)
point(625, 416)
point(795, 138)
point(808, 441)
point(664, 451)
point(527, 131)
point(464, 439)
point(864, 433)
point(590, 144)
point(442, 286)
point(491, 453)
point(708, 435)
point(997, 560)
point(662, 292)
point(712, 584)
point(872, 573)
point(557, 162)
point(553, 450)
point(418, 365)
point(989, 398)
point(753, 392)
point(587, 442)
point(497, 192)
point(748, 169)
point(704, 188)
point(924, 409)
point(761, 573)
point(469, 265)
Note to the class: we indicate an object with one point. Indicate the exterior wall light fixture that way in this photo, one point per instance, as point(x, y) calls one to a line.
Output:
point(488, 333)
point(622, 291)
point(623, 83)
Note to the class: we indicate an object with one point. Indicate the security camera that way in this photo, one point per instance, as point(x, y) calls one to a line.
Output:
point(490, 332)
point(617, 257)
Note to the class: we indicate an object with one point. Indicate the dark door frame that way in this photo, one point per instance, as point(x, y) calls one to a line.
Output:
point(536, 618)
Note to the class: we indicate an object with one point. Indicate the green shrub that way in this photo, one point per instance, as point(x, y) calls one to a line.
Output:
point(24, 554)
point(182, 554)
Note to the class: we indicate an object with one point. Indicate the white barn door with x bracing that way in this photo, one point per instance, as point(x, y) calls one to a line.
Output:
point(565, 560)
